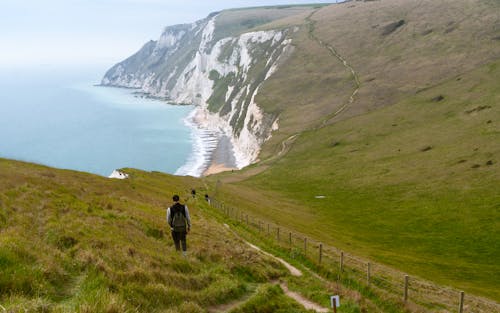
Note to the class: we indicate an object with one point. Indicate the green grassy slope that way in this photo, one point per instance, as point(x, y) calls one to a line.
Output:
point(233, 22)
point(409, 171)
point(437, 40)
point(410, 168)
point(413, 185)
point(75, 242)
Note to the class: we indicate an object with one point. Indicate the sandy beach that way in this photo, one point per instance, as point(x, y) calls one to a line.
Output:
point(222, 158)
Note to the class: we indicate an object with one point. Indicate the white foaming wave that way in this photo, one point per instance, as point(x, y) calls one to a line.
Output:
point(204, 143)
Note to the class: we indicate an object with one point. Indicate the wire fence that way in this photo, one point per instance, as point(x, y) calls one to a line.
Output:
point(419, 295)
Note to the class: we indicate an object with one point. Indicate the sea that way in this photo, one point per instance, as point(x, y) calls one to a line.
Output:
point(58, 116)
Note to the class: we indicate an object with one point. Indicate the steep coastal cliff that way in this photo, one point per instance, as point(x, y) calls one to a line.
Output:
point(218, 64)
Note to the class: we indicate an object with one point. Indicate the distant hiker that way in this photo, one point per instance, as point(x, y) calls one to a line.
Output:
point(193, 193)
point(180, 223)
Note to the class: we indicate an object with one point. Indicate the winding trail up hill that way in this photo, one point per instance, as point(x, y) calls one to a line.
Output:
point(409, 168)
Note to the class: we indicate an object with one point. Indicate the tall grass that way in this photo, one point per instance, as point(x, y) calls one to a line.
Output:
point(75, 242)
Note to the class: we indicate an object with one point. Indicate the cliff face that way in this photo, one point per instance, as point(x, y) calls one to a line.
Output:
point(219, 69)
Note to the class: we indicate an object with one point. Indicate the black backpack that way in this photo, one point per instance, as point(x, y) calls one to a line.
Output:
point(178, 217)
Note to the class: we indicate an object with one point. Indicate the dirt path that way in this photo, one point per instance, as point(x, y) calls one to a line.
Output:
point(309, 305)
point(233, 304)
point(288, 142)
point(292, 269)
point(344, 62)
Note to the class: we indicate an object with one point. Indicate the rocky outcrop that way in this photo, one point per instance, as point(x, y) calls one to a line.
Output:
point(220, 72)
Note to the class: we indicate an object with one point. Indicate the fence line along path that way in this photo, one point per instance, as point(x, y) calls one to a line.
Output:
point(420, 293)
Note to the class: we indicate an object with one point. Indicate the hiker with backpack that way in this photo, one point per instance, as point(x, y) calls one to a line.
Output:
point(180, 223)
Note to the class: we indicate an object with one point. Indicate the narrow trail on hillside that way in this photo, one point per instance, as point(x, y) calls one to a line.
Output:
point(287, 143)
point(227, 307)
point(292, 269)
point(309, 305)
point(306, 303)
point(333, 51)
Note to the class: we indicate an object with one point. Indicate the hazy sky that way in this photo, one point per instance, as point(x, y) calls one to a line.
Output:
point(95, 31)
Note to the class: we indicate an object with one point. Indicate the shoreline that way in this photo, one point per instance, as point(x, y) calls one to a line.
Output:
point(222, 159)
point(212, 151)
point(215, 168)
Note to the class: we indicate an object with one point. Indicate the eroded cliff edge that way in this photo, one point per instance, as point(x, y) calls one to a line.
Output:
point(219, 67)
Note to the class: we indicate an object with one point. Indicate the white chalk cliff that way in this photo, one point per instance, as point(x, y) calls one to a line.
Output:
point(217, 70)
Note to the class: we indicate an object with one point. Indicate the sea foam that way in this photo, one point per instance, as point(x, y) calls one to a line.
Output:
point(204, 143)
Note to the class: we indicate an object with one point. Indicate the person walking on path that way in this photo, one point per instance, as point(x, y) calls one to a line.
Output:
point(180, 223)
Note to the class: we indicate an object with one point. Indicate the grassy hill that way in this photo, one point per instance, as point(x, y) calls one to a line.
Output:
point(418, 189)
point(436, 41)
point(410, 168)
point(78, 242)
point(408, 171)
point(75, 242)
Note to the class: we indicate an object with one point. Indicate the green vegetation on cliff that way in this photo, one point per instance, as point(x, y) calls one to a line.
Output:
point(408, 172)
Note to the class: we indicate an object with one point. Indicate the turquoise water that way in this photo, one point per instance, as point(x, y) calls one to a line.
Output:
point(57, 117)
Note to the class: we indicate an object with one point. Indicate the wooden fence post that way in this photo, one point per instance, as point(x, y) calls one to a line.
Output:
point(461, 304)
point(290, 239)
point(320, 252)
point(305, 246)
point(278, 234)
point(368, 274)
point(268, 232)
point(405, 296)
point(341, 261)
